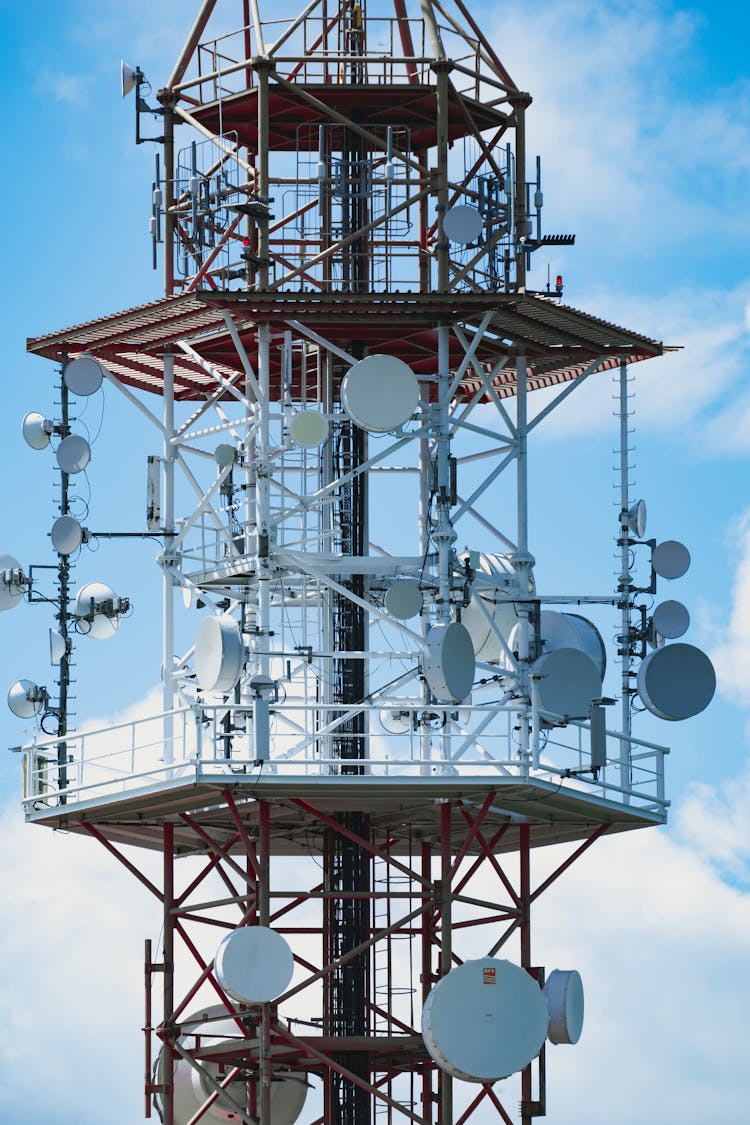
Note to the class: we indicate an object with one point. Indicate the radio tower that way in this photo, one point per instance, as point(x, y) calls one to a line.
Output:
point(377, 717)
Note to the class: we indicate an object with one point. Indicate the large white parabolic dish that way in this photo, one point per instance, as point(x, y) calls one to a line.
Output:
point(676, 682)
point(567, 680)
point(219, 653)
point(485, 1020)
point(462, 224)
point(308, 428)
point(66, 535)
point(380, 393)
point(73, 454)
point(448, 662)
point(84, 376)
point(670, 559)
point(671, 620)
point(254, 964)
point(34, 432)
point(19, 702)
point(404, 599)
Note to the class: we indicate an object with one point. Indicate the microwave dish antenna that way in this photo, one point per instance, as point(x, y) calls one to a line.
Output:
point(448, 662)
point(563, 991)
point(485, 1020)
point(219, 653)
point(308, 428)
point(380, 393)
point(254, 964)
point(12, 582)
point(73, 454)
point(97, 610)
point(463, 224)
point(671, 620)
point(670, 559)
point(37, 430)
point(567, 682)
point(67, 535)
point(636, 519)
point(83, 376)
point(676, 682)
point(26, 699)
point(57, 647)
point(404, 599)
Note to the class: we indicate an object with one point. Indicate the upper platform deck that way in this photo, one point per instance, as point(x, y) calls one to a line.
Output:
point(558, 342)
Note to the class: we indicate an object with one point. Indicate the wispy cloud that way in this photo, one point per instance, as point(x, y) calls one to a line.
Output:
point(70, 89)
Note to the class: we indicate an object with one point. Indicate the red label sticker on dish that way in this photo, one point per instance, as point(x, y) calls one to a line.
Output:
point(488, 975)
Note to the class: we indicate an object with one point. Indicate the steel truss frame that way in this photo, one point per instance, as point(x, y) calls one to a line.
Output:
point(457, 897)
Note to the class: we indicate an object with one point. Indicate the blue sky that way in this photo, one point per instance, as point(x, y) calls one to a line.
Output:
point(642, 116)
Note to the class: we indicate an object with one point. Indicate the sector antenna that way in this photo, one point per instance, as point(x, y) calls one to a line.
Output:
point(371, 716)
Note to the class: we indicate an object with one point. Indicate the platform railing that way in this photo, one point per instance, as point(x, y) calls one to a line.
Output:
point(211, 742)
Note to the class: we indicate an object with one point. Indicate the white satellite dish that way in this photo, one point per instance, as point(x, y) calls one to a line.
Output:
point(670, 559)
point(395, 721)
point(219, 653)
point(636, 519)
point(563, 991)
point(567, 681)
point(189, 597)
point(496, 584)
point(12, 582)
point(570, 630)
point(448, 662)
point(485, 1020)
point(128, 78)
point(225, 455)
point(95, 609)
point(462, 224)
point(676, 682)
point(25, 699)
point(73, 454)
point(308, 428)
point(254, 964)
point(380, 393)
point(66, 535)
point(57, 647)
point(671, 620)
point(217, 1028)
point(36, 430)
point(404, 599)
point(84, 376)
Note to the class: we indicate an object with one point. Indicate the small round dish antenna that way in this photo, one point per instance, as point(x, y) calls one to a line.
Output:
point(36, 430)
point(12, 582)
point(84, 376)
point(404, 599)
point(563, 991)
point(676, 682)
point(97, 609)
point(254, 964)
point(567, 681)
point(395, 721)
point(66, 535)
point(73, 454)
point(225, 455)
point(671, 620)
point(25, 699)
point(448, 662)
point(219, 653)
point(485, 1020)
point(189, 597)
point(380, 393)
point(462, 224)
point(636, 519)
point(670, 559)
point(308, 429)
point(57, 647)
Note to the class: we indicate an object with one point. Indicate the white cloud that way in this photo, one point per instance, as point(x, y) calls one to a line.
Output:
point(70, 89)
point(730, 657)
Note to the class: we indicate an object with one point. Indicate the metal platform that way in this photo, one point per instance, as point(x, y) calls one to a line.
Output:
point(400, 810)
